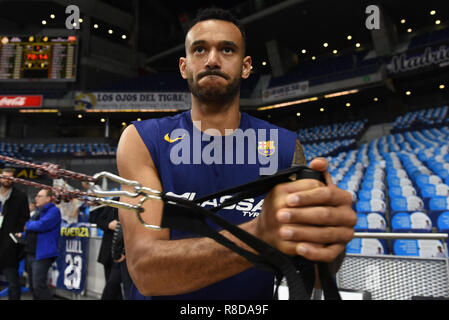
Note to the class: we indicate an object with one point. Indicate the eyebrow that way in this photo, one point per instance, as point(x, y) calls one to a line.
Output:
point(197, 42)
point(223, 42)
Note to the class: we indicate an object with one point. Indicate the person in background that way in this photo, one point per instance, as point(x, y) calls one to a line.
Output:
point(32, 207)
point(14, 213)
point(107, 220)
point(118, 256)
point(42, 234)
point(84, 208)
point(33, 211)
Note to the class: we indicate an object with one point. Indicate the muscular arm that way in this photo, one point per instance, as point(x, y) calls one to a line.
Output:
point(158, 265)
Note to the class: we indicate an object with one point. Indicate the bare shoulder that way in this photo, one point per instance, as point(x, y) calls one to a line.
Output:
point(131, 152)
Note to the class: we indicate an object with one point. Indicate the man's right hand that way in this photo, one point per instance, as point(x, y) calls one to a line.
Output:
point(308, 218)
point(275, 206)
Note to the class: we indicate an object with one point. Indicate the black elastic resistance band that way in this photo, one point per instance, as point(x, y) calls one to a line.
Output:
point(189, 216)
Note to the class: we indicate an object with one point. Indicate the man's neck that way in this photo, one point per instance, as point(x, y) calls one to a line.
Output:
point(219, 117)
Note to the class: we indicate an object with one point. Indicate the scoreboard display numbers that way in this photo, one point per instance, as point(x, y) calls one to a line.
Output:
point(28, 58)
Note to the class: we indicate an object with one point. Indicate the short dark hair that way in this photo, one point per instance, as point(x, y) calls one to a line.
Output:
point(49, 192)
point(10, 170)
point(215, 13)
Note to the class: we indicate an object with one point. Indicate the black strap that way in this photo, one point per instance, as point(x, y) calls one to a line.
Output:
point(184, 215)
point(189, 216)
point(262, 185)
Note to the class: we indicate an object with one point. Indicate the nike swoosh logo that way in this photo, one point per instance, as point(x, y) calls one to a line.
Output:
point(167, 138)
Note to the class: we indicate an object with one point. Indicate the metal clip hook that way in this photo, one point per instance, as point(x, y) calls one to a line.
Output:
point(139, 216)
point(138, 189)
point(147, 193)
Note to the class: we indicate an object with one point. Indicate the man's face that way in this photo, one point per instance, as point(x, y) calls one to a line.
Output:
point(214, 64)
point(42, 198)
point(5, 182)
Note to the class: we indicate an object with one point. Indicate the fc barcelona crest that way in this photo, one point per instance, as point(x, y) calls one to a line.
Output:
point(266, 148)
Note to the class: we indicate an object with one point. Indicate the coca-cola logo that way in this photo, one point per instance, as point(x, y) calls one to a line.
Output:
point(20, 101)
point(13, 102)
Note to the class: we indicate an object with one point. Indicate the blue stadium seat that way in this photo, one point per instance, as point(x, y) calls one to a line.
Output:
point(406, 247)
point(406, 204)
point(374, 205)
point(411, 222)
point(418, 248)
point(443, 222)
point(439, 203)
point(371, 222)
point(368, 194)
point(367, 246)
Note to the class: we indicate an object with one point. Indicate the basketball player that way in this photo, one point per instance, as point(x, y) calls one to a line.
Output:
point(303, 217)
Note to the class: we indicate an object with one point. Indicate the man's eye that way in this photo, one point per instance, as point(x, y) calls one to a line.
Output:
point(228, 50)
point(199, 49)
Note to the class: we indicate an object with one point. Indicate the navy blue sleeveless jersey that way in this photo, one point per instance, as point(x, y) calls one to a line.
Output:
point(192, 164)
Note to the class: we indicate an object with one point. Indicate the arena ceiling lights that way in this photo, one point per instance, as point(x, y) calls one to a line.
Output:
point(38, 110)
point(341, 93)
point(326, 96)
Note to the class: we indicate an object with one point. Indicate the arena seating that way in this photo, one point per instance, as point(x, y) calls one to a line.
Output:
point(421, 119)
point(324, 70)
point(329, 148)
point(400, 183)
point(330, 140)
point(429, 38)
point(74, 149)
point(339, 131)
point(12, 150)
point(29, 151)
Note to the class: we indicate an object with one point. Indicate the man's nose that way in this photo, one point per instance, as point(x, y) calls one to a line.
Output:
point(213, 60)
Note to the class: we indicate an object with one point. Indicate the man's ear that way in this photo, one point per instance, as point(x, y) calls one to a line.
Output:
point(182, 67)
point(246, 67)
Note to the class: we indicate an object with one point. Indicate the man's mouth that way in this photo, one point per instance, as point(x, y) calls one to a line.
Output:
point(212, 73)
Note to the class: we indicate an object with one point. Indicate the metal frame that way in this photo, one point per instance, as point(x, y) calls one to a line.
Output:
point(391, 277)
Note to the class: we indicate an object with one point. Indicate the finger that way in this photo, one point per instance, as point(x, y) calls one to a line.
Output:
point(288, 247)
point(301, 185)
point(294, 187)
point(321, 164)
point(316, 252)
point(323, 235)
point(323, 216)
point(327, 196)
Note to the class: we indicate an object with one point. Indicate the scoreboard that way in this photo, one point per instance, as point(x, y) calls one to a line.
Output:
point(28, 58)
